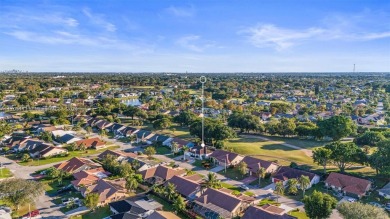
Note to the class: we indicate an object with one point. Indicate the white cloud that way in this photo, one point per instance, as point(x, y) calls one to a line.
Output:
point(193, 43)
point(181, 11)
point(269, 35)
point(359, 27)
point(99, 20)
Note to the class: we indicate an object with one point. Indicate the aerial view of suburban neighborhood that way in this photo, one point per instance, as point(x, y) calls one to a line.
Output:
point(114, 110)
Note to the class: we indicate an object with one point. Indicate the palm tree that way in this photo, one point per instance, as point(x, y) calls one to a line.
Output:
point(131, 183)
point(261, 174)
point(304, 183)
point(170, 191)
point(174, 147)
point(212, 181)
point(292, 186)
point(279, 189)
point(135, 164)
point(185, 148)
point(242, 168)
point(179, 204)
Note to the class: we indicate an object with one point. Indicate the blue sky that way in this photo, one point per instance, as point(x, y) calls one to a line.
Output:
point(195, 36)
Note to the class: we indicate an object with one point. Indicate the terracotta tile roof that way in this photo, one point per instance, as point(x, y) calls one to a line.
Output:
point(195, 178)
point(254, 163)
point(116, 154)
point(348, 184)
point(162, 215)
point(184, 186)
point(285, 173)
point(222, 156)
point(89, 177)
point(106, 188)
point(75, 164)
point(266, 212)
point(223, 200)
point(163, 172)
point(91, 142)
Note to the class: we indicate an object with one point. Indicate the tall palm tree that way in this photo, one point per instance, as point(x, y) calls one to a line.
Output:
point(304, 183)
point(212, 181)
point(170, 191)
point(131, 183)
point(185, 148)
point(279, 189)
point(261, 174)
point(174, 147)
point(179, 204)
point(292, 186)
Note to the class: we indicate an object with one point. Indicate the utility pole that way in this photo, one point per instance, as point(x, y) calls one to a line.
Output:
point(203, 80)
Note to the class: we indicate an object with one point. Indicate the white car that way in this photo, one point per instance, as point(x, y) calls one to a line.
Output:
point(352, 200)
point(244, 187)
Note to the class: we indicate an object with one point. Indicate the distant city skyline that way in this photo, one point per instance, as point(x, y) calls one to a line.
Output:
point(195, 36)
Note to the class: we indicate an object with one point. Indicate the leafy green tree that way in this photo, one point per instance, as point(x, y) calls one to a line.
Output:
point(304, 183)
point(319, 205)
point(337, 127)
point(163, 123)
point(321, 156)
point(345, 154)
point(88, 129)
point(174, 147)
point(185, 148)
point(359, 210)
point(131, 183)
point(91, 200)
point(179, 204)
point(47, 136)
point(286, 127)
point(279, 189)
point(25, 158)
point(185, 118)
point(245, 122)
point(150, 151)
point(292, 186)
point(214, 130)
point(20, 191)
point(369, 138)
point(242, 168)
point(380, 159)
point(53, 173)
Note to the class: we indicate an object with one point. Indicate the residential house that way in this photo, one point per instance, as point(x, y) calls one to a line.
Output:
point(141, 164)
point(349, 185)
point(143, 136)
point(128, 131)
point(385, 191)
point(163, 139)
point(263, 103)
point(116, 128)
point(77, 164)
point(267, 212)
point(134, 207)
point(160, 174)
point(226, 158)
point(162, 215)
point(180, 143)
point(373, 119)
point(213, 204)
point(265, 116)
point(286, 173)
point(67, 139)
point(57, 134)
point(185, 187)
point(102, 124)
point(108, 190)
point(120, 156)
point(94, 143)
point(254, 164)
point(88, 177)
point(45, 150)
point(199, 152)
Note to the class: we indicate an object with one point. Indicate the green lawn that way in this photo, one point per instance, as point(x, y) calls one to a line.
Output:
point(298, 214)
point(167, 206)
point(268, 201)
point(233, 173)
point(98, 213)
point(317, 187)
point(303, 143)
point(72, 154)
point(176, 131)
point(268, 150)
point(5, 173)
point(24, 209)
point(231, 187)
point(163, 150)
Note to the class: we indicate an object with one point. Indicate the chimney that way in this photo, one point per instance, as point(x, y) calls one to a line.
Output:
point(205, 199)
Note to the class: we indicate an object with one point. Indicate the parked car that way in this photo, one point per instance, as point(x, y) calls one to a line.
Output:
point(32, 214)
point(244, 187)
point(375, 204)
point(351, 200)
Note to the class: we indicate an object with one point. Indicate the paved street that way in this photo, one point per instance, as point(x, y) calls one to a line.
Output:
point(44, 203)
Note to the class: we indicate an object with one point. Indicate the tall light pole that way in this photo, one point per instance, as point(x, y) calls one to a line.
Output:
point(203, 80)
